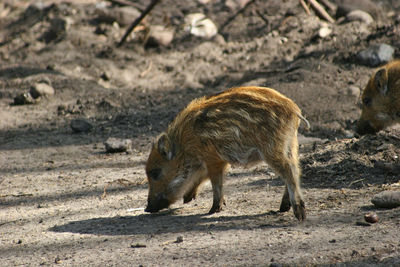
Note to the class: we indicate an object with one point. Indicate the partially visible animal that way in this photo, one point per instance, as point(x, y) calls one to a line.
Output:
point(243, 125)
point(381, 100)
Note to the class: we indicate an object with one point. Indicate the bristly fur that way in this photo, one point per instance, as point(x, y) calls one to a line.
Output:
point(381, 99)
point(242, 125)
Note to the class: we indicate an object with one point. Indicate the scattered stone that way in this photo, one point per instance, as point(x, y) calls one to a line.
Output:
point(353, 91)
point(160, 36)
point(359, 15)
point(122, 15)
point(179, 239)
point(114, 145)
point(371, 217)
point(41, 89)
point(57, 260)
point(376, 55)
point(81, 125)
point(199, 25)
point(346, 6)
point(387, 199)
point(24, 99)
point(324, 32)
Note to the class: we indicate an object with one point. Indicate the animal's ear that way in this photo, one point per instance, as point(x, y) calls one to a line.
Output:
point(381, 81)
point(165, 147)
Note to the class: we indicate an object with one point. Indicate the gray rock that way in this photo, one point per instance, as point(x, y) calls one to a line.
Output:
point(353, 91)
point(24, 99)
point(387, 199)
point(160, 36)
point(41, 89)
point(122, 15)
point(81, 125)
point(359, 15)
point(376, 55)
point(346, 6)
point(114, 145)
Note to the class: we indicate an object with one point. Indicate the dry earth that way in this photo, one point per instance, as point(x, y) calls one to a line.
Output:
point(64, 201)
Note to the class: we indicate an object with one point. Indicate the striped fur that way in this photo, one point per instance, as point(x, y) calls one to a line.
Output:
point(243, 125)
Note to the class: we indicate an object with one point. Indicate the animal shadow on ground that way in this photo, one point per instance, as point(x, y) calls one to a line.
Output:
point(166, 222)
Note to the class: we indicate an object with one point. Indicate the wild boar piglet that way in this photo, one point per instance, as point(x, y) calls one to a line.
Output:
point(381, 100)
point(243, 125)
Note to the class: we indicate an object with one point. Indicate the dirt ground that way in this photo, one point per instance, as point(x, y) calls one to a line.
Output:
point(65, 201)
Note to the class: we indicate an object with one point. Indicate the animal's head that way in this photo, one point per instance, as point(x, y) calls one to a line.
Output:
point(162, 169)
point(376, 104)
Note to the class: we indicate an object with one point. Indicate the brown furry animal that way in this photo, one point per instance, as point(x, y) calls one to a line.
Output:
point(242, 125)
point(381, 100)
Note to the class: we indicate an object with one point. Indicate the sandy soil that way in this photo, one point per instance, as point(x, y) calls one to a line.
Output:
point(65, 201)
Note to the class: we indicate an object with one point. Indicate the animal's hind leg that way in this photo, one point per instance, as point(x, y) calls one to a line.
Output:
point(285, 163)
point(216, 172)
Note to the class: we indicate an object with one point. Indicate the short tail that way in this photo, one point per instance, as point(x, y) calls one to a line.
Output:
point(308, 126)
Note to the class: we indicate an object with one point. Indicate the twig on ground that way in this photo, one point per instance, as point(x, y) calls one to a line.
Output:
point(137, 21)
point(305, 6)
point(262, 17)
point(329, 5)
point(356, 181)
point(321, 11)
point(146, 71)
point(231, 18)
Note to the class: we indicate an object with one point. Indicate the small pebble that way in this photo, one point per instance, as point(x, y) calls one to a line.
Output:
point(41, 89)
point(81, 125)
point(160, 36)
point(114, 145)
point(376, 55)
point(359, 15)
point(371, 217)
point(179, 239)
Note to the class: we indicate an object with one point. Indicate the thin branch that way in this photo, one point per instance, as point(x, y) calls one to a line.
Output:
point(321, 11)
point(230, 19)
point(305, 6)
point(137, 21)
point(329, 5)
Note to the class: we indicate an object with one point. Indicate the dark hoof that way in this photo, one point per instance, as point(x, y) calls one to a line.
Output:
point(285, 206)
point(300, 211)
point(215, 210)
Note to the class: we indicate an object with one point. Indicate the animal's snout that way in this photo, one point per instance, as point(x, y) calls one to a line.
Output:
point(364, 127)
point(158, 204)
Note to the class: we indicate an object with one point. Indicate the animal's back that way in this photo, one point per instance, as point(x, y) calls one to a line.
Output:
point(240, 122)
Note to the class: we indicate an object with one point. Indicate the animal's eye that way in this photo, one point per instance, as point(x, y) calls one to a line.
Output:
point(155, 174)
point(367, 101)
